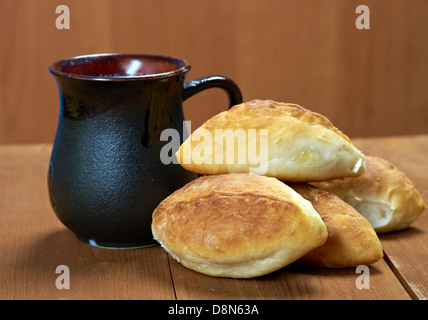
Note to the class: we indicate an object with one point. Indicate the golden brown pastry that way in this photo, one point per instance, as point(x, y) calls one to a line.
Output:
point(383, 194)
point(351, 241)
point(237, 225)
point(281, 140)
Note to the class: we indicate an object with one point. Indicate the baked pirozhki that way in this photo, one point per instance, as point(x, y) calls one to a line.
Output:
point(352, 241)
point(383, 194)
point(280, 140)
point(237, 225)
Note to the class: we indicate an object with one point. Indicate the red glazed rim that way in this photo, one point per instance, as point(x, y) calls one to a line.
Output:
point(119, 66)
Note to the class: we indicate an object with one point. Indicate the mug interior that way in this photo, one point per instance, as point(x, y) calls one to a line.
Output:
point(119, 66)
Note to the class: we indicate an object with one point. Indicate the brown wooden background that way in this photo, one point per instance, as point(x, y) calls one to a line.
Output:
point(368, 82)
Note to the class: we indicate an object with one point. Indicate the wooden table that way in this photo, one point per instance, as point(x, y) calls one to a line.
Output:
point(33, 243)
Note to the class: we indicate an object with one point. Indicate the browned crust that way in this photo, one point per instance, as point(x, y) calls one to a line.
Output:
point(262, 108)
point(380, 177)
point(383, 184)
point(230, 218)
point(300, 145)
point(351, 239)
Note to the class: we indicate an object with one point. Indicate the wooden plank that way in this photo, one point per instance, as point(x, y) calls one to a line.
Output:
point(407, 250)
point(34, 243)
point(290, 283)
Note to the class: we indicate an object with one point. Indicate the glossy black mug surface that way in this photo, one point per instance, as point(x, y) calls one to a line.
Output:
point(105, 176)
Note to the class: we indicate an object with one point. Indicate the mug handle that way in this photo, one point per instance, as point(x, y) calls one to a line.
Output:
point(192, 87)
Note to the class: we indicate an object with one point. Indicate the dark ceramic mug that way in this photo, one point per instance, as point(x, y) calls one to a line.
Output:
point(105, 175)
